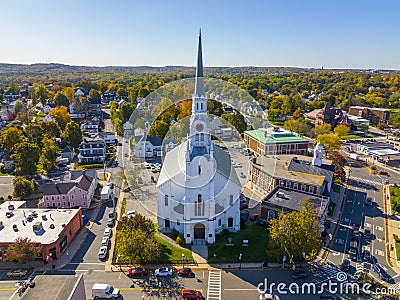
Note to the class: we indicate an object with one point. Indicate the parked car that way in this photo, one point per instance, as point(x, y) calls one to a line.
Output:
point(367, 256)
point(110, 222)
point(103, 252)
point(85, 219)
point(105, 241)
point(108, 232)
point(345, 266)
point(130, 213)
point(185, 272)
point(138, 271)
point(163, 272)
point(242, 175)
point(253, 217)
point(191, 294)
point(104, 291)
point(300, 274)
point(367, 233)
point(17, 273)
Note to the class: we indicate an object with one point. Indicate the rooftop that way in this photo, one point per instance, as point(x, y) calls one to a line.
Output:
point(371, 108)
point(295, 168)
point(271, 136)
point(58, 217)
point(292, 200)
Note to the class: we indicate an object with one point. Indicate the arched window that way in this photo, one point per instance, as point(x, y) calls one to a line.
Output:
point(201, 105)
point(201, 137)
point(199, 169)
point(198, 208)
point(197, 106)
point(231, 200)
point(166, 200)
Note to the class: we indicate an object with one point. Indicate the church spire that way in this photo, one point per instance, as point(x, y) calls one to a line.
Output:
point(199, 84)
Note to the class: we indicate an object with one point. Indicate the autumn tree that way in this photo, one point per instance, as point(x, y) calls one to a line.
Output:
point(23, 250)
point(341, 130)
point(339, 161)
point(34, 133)
point(185, 109)
point(331, 142)
point(18, 106)
point(40, 94)
point(73, 134)
point(297, 113)
point(61, 100)
point(94, 94)
point(61, 115)
point(298, 231)
point(322, 129)
point(22, 187)
point(26, 155)
point(69, 93)
point(10, 136)
point(50, 152)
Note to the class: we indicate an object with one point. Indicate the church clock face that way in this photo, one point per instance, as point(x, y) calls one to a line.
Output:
point(199, 127)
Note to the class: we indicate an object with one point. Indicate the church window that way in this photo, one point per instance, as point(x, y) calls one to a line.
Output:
point(230, 222)
point(198, 208)
point(166, 200)
point(201, 105)
point(219, 222)
point(210, 235)
point(199, 169)
point(288, 184)
point(231, 200)
point(196, 137)
point(303, 187)
point(295, 186)
point(201, 137)
point(178, 222)
point(167, 223)
point(197, 106)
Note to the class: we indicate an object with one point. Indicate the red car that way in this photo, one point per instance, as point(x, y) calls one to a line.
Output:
point(191, 294)
point(139, 271)
point(185, 272)
point(253, 217)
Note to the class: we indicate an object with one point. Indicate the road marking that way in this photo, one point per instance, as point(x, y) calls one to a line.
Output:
point(240, 289)
point(8, 289)
point(379, 252)
point(339, 241)
point(367, 224)
point(380, 228)
point(88, 263)
point(214, 285)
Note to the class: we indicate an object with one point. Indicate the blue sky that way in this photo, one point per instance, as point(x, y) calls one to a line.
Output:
point(303, 33)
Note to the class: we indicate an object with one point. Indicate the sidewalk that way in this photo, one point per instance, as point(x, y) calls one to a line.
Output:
point(391, 227)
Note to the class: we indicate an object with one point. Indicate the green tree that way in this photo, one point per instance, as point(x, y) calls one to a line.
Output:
point(61, 100)
point(322, 129)
point(298, 232)
point(126, 111)
point(395, 120)
point(73, 134)
point(331, 142)
point(50, 152)
point(50, 129)
point(26, 155)
point(10, 136)
point(81, 105)
point(61, 115)
point(22, 187)
point(34, 133)
point(159, 128)
point(18, 106)
point(69, 93)
point(341, 130)
point(122, 93)
point(237, 120)
point(40, 94)
point(23, 250)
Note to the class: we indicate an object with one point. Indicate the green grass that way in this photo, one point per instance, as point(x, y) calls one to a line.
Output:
point(256, 250)
point(395, 199)
point(397, 249)
point(352, 137)
point(276, 123)
point(78, 166)
point(123, 206)
point(172, 253)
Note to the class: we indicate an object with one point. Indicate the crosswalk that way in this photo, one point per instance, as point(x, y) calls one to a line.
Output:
point(395, 288)
point(214, 285)
point(334, 273)
point(366, 181)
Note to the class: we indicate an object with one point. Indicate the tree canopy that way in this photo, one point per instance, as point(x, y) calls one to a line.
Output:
point(23, 250)
point(341, 130)
point(61, 115)
point(22, 187)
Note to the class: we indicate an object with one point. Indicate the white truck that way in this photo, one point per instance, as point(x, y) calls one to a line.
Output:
point(104, 291)
point(354, 156)
point(106, 192)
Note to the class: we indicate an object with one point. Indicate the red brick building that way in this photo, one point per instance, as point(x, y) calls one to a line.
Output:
point(374, 115)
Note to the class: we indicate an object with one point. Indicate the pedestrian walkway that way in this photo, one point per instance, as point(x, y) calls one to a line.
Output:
point(202, 251)
point(395, 288)
point(367, 181)
point(214, 285)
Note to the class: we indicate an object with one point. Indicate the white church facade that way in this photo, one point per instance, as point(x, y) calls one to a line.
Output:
point(198, 188)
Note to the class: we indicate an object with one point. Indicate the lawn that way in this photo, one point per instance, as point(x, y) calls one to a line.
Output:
point(173, 254)
point(395, 199)
point(352, 137)
point(256, 251)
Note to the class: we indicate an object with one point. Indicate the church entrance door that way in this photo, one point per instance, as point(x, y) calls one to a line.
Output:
point(199, 231)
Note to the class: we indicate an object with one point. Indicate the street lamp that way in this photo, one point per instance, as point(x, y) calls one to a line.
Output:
point(240, 261)
point(183, 260)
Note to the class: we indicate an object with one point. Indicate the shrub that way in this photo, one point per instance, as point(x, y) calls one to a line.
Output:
point(243, 224)
point(180, 240)
point(174, 234)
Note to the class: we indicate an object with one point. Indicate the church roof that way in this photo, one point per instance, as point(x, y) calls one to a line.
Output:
point(175, 164)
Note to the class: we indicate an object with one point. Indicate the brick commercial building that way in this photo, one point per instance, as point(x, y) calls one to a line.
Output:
point(374, 115)
point(52, 229)
point(328, 115)
point(275, 140)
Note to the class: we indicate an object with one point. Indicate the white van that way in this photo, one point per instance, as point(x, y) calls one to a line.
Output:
point(103, 290)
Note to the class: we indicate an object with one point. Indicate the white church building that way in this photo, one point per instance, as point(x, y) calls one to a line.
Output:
point(198, 188)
